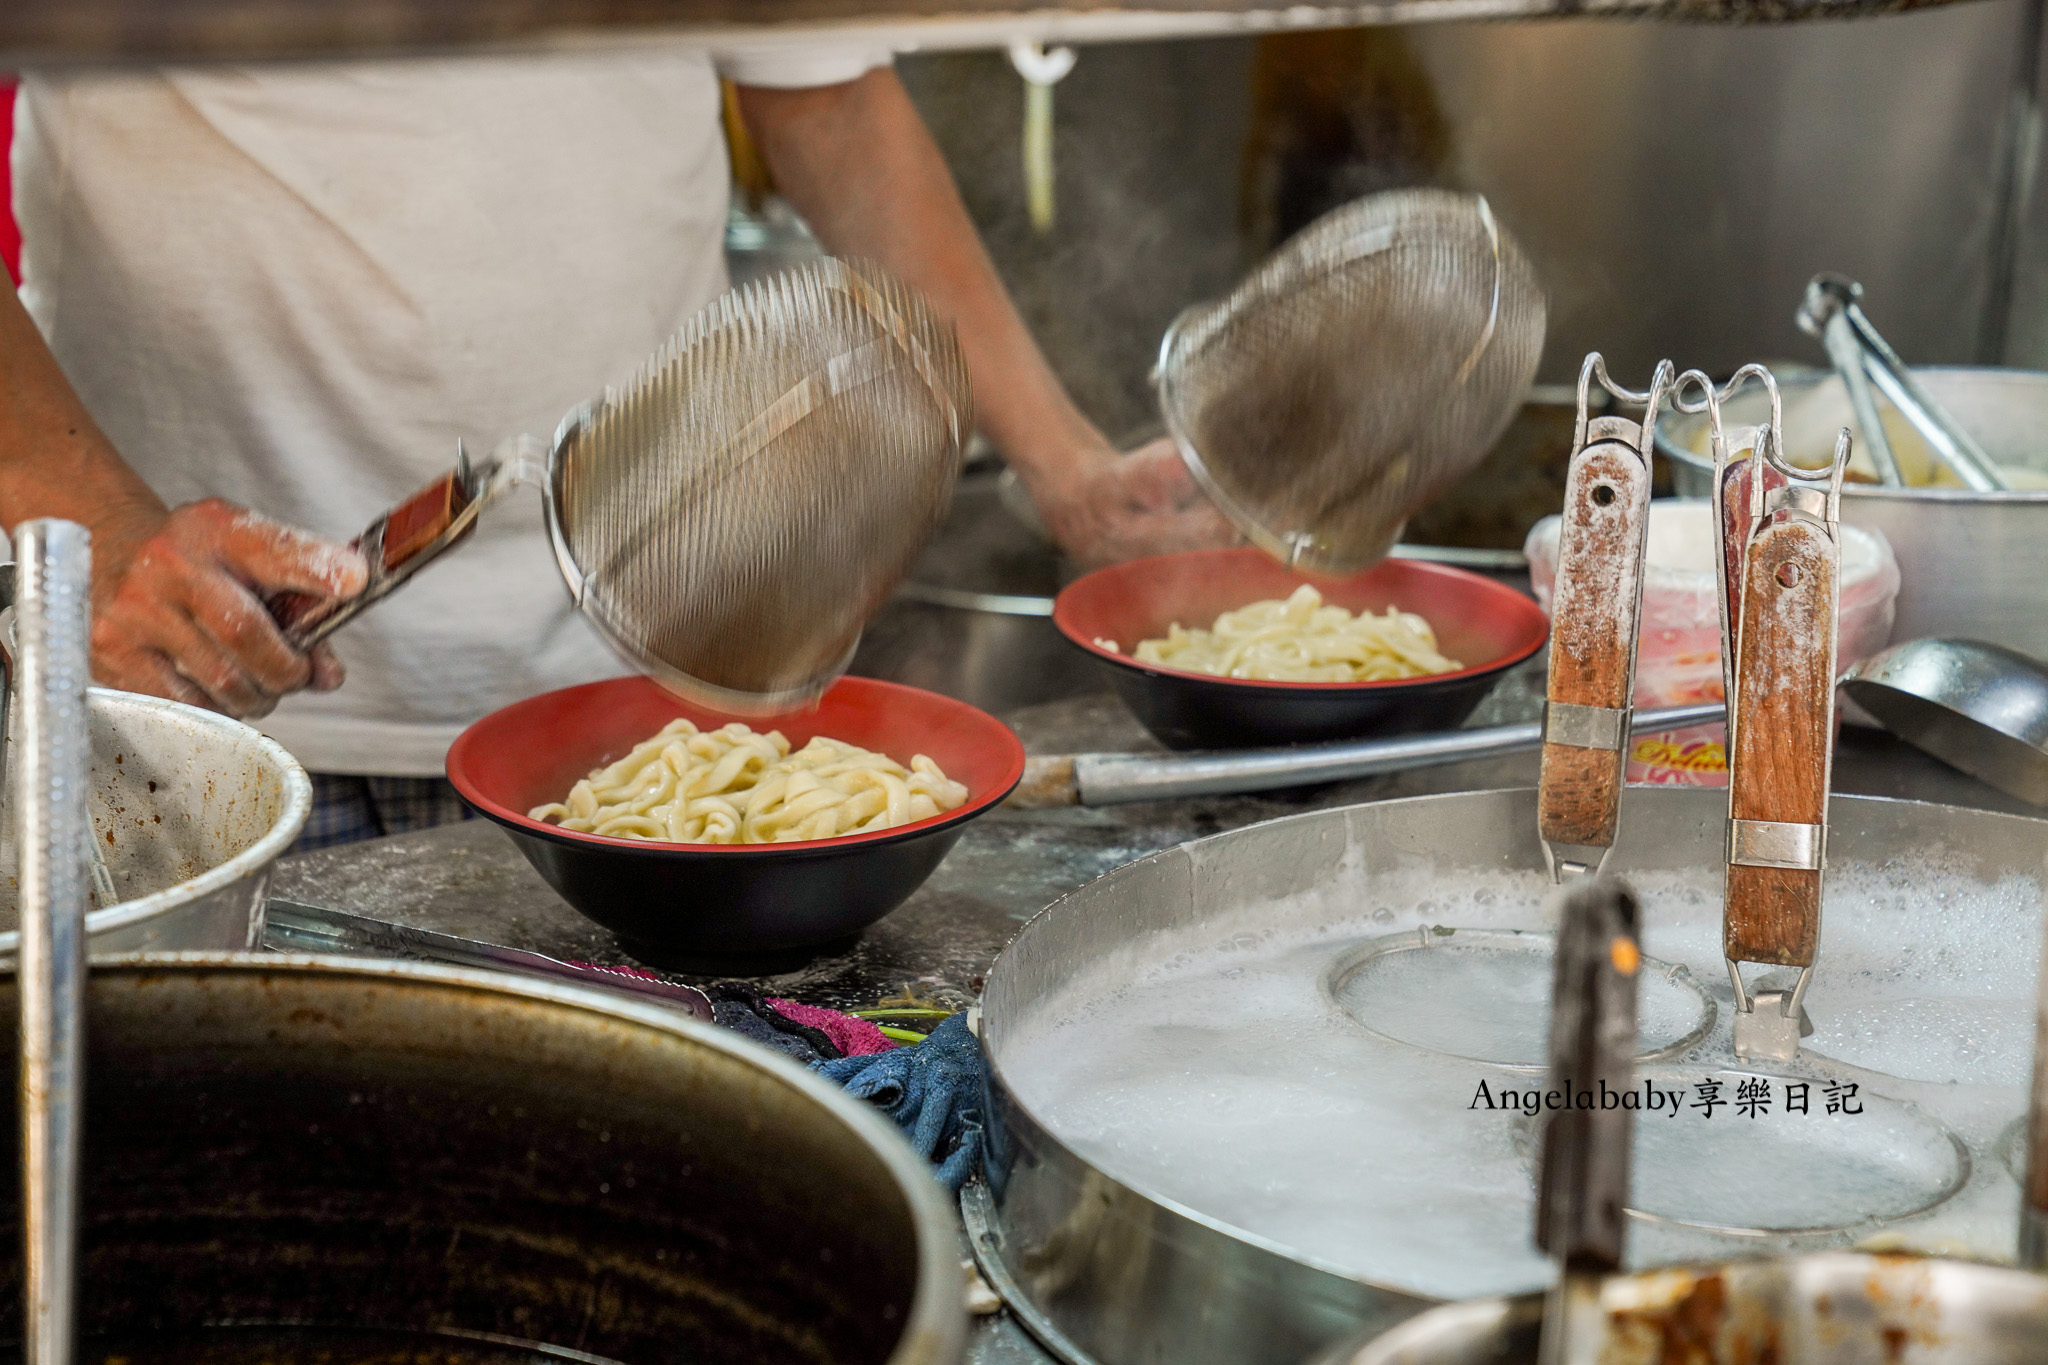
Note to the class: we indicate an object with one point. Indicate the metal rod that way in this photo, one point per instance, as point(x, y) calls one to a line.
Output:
point(292, 927)
point(47, 794)
point(1108, 779)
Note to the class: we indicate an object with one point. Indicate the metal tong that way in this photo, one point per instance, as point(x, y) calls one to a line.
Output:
point(46, 791)
point(1582, 1194)
point(1832, 311)
point(1595, 608)
point(1780, 597)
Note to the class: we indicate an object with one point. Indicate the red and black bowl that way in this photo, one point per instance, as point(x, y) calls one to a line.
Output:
point(718, 907)
point(1487, 625)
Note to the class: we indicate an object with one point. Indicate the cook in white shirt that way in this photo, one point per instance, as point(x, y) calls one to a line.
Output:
point(260, 304)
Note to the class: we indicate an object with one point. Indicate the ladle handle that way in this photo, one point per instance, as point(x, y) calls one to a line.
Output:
point(1594, 609)
point(47, 795)
point(1782, 744)
point(1584, 1183)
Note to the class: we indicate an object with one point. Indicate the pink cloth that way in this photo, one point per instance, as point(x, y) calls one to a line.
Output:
point(853, 1037)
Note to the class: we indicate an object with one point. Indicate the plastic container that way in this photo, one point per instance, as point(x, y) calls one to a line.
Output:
point(1678, 661)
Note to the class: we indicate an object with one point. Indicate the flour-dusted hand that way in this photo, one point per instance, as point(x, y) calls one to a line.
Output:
point(1106, 507)
point(178, 605)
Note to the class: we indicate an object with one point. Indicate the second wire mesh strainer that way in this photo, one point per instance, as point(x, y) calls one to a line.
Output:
point(1366, 365)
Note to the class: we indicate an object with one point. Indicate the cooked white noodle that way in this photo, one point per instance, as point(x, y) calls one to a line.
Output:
point(734, 786)
point(1302, 640)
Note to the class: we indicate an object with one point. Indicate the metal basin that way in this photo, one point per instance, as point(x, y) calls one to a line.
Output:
point(1971, 565)
point(191, 809)
point(396, 1148)
point(1835, 1308)
point(1121, 1269)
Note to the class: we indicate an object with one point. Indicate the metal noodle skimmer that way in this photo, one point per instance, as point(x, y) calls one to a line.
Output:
point(730, 519)
point(1366, 365)
point(1780, 592)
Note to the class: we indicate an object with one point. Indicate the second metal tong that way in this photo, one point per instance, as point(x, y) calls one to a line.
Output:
point(1595, 606)
point(1780, 596)
point(1832, 311)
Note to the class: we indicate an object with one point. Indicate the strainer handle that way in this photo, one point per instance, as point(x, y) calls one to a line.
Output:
point(396, 545)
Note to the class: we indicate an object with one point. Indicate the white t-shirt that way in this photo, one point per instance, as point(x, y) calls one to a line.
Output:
point(296, 287)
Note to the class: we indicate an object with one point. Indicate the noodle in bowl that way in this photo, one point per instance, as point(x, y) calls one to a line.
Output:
point(718, 906)
point(734, 785)
point(1302, 640)
point(1481, 628)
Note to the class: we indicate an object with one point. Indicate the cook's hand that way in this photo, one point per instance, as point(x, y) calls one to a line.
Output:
point(178, 604)
point(1109, 507)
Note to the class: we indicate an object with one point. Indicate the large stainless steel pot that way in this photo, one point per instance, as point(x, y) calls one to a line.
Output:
point(190, 810)
point(364, 1147)
point(1834, 1308)
point(1108, 1272)
point(1970, 564)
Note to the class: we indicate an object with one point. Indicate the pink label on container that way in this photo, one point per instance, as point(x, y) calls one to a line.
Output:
point(1693, 757)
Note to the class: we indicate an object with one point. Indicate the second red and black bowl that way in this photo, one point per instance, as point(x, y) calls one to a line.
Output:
point(720, 907)
point(1486, 625)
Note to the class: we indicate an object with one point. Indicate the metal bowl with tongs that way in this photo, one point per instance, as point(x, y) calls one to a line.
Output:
point(253, 1159)
point(189, 810)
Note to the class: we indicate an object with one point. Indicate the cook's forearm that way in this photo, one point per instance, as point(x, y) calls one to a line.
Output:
point(54, 460)
point(858, 163)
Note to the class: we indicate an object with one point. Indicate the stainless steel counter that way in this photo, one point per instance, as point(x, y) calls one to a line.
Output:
point(468, 879)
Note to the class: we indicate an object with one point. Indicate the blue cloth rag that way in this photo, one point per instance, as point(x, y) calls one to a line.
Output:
point(933, 1090)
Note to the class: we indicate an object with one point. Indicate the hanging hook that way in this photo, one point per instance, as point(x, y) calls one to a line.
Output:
point(1041, 69)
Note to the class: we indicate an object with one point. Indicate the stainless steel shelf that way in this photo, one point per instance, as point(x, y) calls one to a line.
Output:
point(41, 32)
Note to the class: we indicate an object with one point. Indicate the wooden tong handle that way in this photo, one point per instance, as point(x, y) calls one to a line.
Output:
point(1593, 621)
point(407, 530)
point(1784, 736)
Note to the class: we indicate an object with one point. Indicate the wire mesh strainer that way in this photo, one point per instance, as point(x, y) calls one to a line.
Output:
point(1368, 363)
point(732, 518)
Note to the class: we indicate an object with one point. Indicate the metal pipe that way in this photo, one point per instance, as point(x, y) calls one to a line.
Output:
point(47, 796)
point(1109, 779)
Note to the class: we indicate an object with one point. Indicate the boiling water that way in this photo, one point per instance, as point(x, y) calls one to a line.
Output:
point(1225, 1079)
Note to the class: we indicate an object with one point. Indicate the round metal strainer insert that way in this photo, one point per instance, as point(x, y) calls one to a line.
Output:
point(1371, 361)
point(1483, 995)
point(1780, 1172)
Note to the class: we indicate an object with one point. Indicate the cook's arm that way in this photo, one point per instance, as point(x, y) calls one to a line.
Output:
point(857, 162)
point(177, 593)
